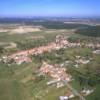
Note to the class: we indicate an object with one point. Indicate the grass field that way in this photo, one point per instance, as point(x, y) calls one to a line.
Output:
point(11, 85)
point(13, 90)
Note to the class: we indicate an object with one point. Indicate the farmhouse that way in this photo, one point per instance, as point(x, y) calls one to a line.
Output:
point(22, 60)
point(96, 52)
point(68, 95)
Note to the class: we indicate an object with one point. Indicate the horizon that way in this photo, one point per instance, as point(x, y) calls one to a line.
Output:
point(49, 8)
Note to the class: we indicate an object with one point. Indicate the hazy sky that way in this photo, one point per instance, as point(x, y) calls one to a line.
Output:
point(49, 8)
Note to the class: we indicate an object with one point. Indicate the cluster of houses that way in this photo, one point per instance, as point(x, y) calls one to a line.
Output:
point(96, 52)
point(86, 92)
point(61, 42)
point(67, 95)
point(81, 61)
point(23, 56)
point(56, 72)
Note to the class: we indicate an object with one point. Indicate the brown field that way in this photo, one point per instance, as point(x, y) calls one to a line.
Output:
point(19, 29)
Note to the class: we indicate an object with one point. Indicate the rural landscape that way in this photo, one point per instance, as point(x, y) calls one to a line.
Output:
point(49, 60)
point(49, 50)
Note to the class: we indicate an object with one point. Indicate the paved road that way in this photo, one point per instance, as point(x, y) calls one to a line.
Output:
point(73, 90)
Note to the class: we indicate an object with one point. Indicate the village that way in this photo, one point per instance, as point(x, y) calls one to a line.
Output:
point(60, 42)
point(56, 72)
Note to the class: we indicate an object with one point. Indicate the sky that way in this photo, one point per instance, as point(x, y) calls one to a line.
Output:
point(52, 8)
